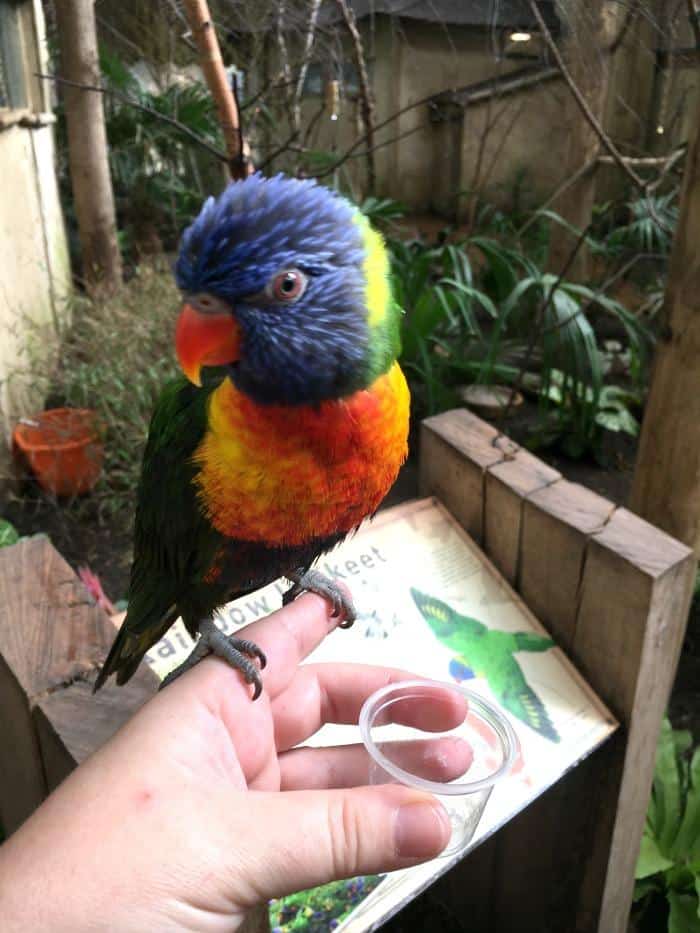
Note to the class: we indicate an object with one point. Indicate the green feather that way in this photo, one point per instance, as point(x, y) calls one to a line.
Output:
point(174, 543)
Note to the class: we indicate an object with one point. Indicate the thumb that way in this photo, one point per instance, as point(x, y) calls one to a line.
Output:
point(299, 839)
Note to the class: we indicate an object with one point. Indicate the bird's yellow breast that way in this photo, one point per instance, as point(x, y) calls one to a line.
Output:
point(286, 475)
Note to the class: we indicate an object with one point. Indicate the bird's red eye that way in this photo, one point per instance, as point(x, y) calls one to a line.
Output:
point(288, 285)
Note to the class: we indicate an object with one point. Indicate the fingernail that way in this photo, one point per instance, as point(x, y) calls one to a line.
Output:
point(422, 829)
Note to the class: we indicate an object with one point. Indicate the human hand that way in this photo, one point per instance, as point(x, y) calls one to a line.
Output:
point(200, 807)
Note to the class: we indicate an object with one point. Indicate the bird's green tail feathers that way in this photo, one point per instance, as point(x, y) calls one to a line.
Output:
point(132, 643)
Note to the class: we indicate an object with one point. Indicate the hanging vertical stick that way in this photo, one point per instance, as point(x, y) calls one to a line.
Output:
point(212, 65)
point(366, 96)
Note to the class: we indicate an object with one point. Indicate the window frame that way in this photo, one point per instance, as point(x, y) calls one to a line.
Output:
point(21, 56)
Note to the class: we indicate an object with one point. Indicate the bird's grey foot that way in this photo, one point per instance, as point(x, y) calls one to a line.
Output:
point(315, 582)
point(236, 651)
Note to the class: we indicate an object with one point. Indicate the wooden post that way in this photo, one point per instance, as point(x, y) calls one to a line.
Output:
point(614, 592)
point(52, 640)
point(666, 485)
point(446, 473)
point(87, 146)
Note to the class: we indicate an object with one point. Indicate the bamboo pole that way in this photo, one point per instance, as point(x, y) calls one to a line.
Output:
point(212, 64)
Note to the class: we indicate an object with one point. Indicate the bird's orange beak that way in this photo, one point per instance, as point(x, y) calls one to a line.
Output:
point(205, 340)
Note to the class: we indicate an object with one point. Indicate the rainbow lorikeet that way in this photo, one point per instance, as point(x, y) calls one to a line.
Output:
point(290, 427)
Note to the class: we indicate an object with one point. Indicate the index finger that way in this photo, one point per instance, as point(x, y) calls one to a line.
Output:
point(289, 635)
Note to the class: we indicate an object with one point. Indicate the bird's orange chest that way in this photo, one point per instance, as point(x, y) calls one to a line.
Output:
point(287, 475)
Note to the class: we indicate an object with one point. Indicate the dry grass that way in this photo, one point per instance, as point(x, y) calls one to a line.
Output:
point(115, 358)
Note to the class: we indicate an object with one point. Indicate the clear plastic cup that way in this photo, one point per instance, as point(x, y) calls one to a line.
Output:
point(440, 738)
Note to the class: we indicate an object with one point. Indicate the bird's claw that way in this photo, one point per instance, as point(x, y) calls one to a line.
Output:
point(313, 581)
point(235, 651)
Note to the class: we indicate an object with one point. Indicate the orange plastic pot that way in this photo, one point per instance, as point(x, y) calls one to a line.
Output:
point(62, 448)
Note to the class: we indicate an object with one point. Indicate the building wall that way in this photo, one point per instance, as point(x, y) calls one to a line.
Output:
point(427, 164)
point(34, 262)
point(496, 142)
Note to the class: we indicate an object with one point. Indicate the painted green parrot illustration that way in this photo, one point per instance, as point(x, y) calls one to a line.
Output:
point(484, 652)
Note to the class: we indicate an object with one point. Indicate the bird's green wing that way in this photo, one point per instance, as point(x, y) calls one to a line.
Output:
point(173, 541)
point(433, 609)
point(526, 641)
point(521, 700)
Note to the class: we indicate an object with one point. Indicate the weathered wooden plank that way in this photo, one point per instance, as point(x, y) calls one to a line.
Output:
point(51, 631)
point(72, 723)
point(50, 634)
point(456, 450)
point(557, 523)
point(22, 780)
point(527, 876)
point(635, 593)
point(508, 484)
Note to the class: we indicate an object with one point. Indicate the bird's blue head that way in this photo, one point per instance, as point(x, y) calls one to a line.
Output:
point(286, 287)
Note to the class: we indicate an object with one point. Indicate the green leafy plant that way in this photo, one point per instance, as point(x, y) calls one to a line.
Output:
point(434, 284)
point(382, 212)
point(320, 909)
point(8, 533)
point(160, 175)
point(479, 311)
point(649, 226)
point(668, 868)
point(572, 368)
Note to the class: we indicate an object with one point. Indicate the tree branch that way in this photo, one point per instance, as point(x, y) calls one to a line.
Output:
point(366, 98)
point(212, 65)
point(630, 17)
point(648, 161)
point(694, 23)
point(303, 68)
point(581, 101)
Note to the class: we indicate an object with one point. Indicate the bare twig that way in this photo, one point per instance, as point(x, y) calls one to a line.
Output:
point(286, 145)
point(306, 58)
point(313, 121)
point(129, 101)
point(500, 145)
point(694, 23)
point(671, 161)
point(631, 15)
point(273, 85)
point(605, 140)
point(284, 58)
point(180, 16)
point(666, 162)
point(601, 290)
point(366, 97)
